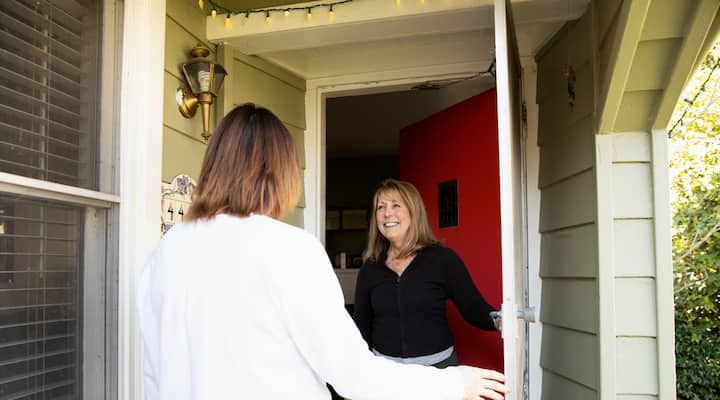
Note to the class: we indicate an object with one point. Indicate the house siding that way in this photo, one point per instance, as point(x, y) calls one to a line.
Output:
point(249, 79)
point(568, 264)
point(604, 221)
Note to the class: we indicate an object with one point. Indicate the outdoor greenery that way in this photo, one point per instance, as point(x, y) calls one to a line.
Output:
point(695, 174)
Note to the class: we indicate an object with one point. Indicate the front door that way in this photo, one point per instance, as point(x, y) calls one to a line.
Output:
point(512, 223)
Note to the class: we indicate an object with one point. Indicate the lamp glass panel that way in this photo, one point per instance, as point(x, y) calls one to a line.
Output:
point(199, 76)
point(218, 77)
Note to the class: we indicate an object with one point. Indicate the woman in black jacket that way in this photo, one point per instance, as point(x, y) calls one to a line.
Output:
point(405, 280)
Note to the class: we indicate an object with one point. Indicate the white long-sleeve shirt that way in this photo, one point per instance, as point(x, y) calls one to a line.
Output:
point(249, 308)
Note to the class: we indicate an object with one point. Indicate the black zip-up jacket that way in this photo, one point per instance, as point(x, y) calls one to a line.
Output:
point(406, 316)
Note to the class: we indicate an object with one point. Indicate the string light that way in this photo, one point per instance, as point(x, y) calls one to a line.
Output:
point(201, 4)
point(690, 101)
point(214, 13)
point(219, 8)
point(228, 23)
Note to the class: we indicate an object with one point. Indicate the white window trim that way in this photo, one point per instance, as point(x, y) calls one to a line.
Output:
point(141, 122)
point(24, 186)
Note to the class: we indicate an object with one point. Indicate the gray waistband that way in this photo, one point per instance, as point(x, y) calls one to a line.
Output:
point(429, 359)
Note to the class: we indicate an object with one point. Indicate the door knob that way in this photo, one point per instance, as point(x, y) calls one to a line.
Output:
point(527, 314)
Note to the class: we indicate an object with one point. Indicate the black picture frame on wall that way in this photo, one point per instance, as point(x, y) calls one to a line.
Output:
point(448, 204)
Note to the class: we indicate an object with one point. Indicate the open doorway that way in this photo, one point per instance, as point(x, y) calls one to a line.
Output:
point(419, 133)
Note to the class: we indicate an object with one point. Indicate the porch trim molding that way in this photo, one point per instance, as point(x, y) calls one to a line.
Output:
point(605, 266)
point(140, 145)
point(663, 263)
point(631, 20)
point(24, 186)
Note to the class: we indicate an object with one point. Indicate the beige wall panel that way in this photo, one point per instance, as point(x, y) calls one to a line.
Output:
point(172, 117)
point(637, 307)
point(555, 109)
point(284, 100)
point(568, 203)
point(580, 36)
point(570, 303)
point(550, 66)
point(569, 253)
point(178, 43)
point(604, 52)
point(557, 387)
point(634, 248)
point(652, 64)
point(181, 155)
point(631, 146)
point(673, 14)
point(296, 217)
point(188, 14)
point(567, 154)
point(636, 369)
point(606, 13)
point(571, 354)
point(299, 138)
point(271, 69)
point(636, 109)
point(554, 83)
point(632, 190)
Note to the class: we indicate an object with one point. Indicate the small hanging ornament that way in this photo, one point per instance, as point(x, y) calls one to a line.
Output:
point(569, 74)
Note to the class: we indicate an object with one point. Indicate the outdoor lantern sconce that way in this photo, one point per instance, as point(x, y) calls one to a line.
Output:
point(204, 79)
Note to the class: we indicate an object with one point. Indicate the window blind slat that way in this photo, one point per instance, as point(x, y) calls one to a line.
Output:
point(38, 389)
point(21, 63)
point(56, 63)
point(70, 146)
point(12, 23)
point(35, 340)
point(11, 93)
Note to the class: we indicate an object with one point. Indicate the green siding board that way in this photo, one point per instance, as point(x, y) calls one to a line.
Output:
point(181, 155)
point(188, 15)
point(632, 190)
point(652, 64)
point(571, 354)
point(569, 253)
point(637, 315)
point(606, 17)
point(559, 388)
point(634, 244)
point(568, 203)
point(570, 152)
point(636, 369)
point(580, 314)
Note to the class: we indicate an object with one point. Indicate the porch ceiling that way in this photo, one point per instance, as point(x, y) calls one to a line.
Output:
point(379, 35)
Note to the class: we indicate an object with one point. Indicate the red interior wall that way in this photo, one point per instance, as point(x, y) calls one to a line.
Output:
point(461, 143)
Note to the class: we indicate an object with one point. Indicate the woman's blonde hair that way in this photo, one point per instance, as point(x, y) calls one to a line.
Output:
point(419, 233)
point(250, 166)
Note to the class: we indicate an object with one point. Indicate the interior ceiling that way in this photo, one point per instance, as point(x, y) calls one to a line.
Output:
point(369, 125)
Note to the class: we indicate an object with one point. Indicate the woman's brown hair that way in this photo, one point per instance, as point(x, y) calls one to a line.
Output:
point(250, 166)
point(419, 234)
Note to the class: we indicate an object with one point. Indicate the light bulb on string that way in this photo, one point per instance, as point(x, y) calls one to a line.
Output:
point(228, 24)
point(309, 14)
point(287, 12)
point(213, 13)
point(331, 13)
point(201, 4)
point(398, 3)
point(268, 18)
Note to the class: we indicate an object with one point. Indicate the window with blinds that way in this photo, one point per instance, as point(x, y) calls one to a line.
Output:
point(40, 275)
point(49, 71)
point(49, 57)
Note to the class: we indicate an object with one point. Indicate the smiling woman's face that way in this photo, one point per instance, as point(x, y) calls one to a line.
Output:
point(393, 217)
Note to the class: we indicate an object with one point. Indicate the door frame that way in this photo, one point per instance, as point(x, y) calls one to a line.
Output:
point(316, 95)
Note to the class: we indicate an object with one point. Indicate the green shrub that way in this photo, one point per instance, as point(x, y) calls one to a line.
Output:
point(695, 172)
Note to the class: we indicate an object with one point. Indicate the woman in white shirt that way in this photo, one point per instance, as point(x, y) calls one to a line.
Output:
point(234, 303)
